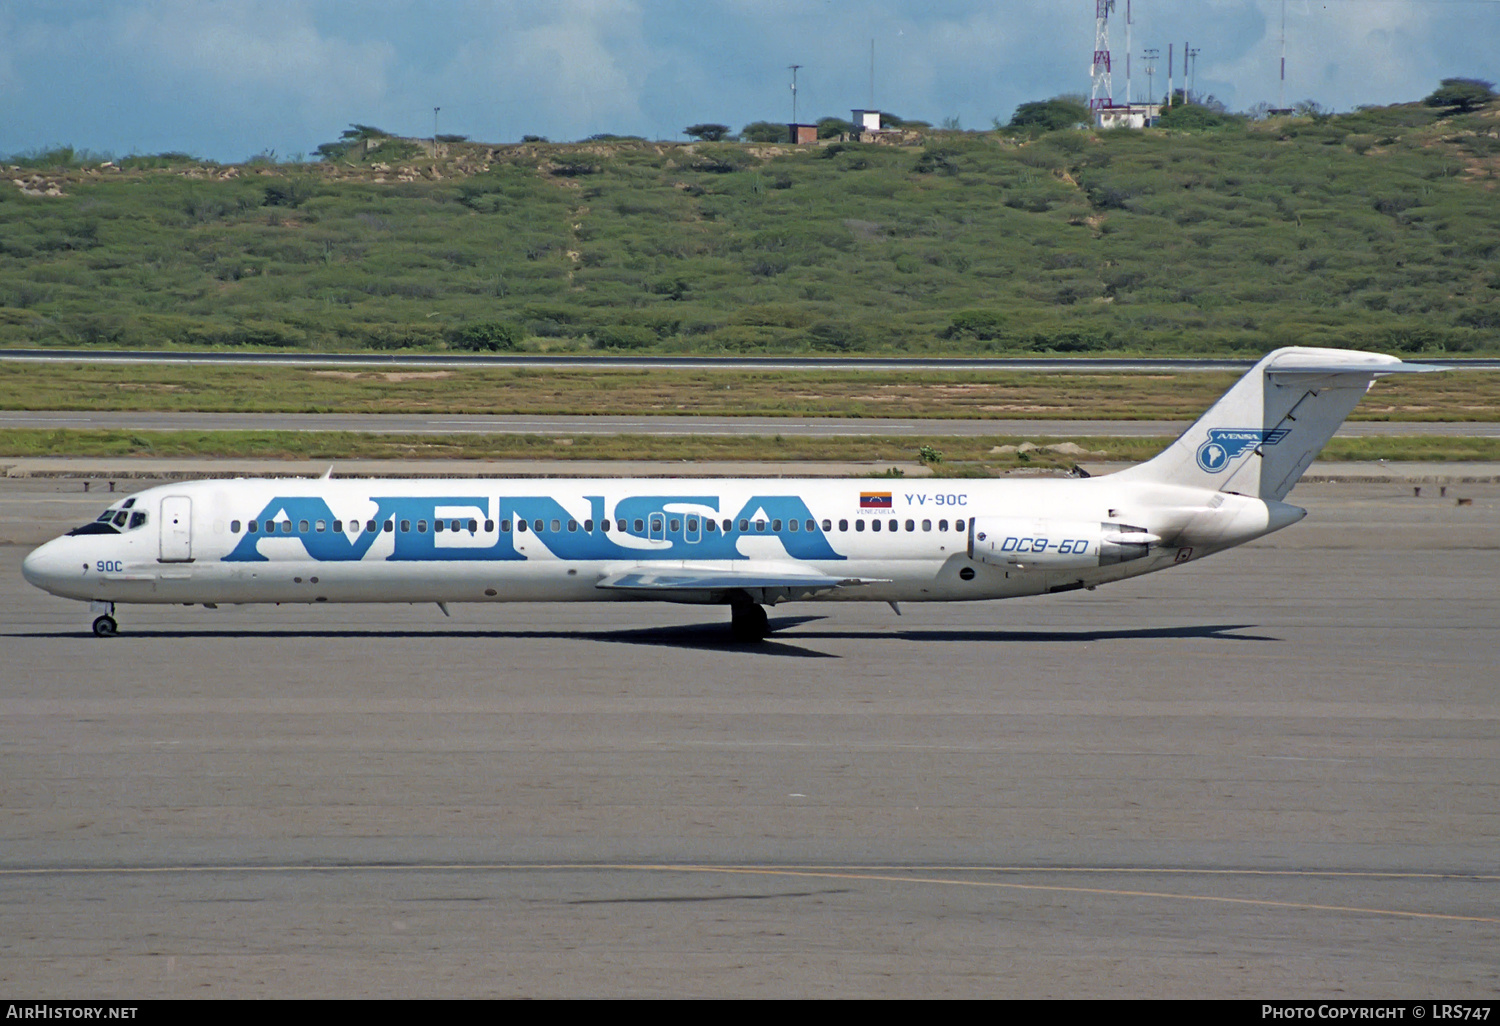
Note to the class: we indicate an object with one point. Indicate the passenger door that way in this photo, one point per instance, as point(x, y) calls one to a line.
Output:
point(177, 529)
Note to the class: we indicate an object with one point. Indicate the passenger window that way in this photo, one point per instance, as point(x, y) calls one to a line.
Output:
point(322, 526)
point(859, 525)
point(760, 525)
point(421, 527)
point(620, 524)
point(520, 527)
point(338, 527)
point(875, 525)
point(843, 525)
point(538, 526)
point(776, 525)
point(792, 524)
point(302, 526)
point(489, 525)
point(588, 527)
point(474, 526)
point(675, 525)
point(252, 527)
point(911, 525)
point(942, 525)
point(405, 526)
point(556, 526)
point(437, 527)
point(927, 525)
point(710, 526)
point(572, 526)
point(827, 526)
point(744, 525)
point(369, 525)
point(728, 526)
point(692, 524)
point(812, 525)
point(390, 525)
point(640, 526)
point(604, 526)
point(958, 525)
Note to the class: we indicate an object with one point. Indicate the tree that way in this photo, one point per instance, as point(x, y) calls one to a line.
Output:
point(1192, 115)
point(830, 128)
point(765, 132)
point(354, 137)
point(708, 133)
point(1050, 115)
point(1462, 95)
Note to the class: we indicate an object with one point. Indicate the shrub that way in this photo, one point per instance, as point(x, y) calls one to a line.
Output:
point(624, 336)
point(489, 336)
point(983, 325)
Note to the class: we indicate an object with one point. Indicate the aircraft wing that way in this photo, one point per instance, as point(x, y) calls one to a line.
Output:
point(772, 584)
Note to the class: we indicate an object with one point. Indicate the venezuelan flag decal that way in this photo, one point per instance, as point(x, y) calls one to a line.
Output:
point(875, 500)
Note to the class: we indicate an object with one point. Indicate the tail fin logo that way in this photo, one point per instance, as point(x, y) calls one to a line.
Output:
point(1224, 445)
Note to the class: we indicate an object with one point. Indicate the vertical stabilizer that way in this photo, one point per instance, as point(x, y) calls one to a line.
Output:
point(1262, 434)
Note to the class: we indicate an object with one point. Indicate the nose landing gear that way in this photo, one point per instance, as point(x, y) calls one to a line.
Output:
point(104, 626)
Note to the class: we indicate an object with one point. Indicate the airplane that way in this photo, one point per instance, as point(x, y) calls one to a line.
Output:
point(744, 543)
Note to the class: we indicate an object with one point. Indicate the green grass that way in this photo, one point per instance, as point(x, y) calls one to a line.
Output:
point(962, 456)
point(1377, 229)
point(1453, 396)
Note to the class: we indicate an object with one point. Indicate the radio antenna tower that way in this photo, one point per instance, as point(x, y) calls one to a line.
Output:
point(1151, 56)
point(1129, 95)
point(1281, 92)
point(794, 68)
point(1102, 93)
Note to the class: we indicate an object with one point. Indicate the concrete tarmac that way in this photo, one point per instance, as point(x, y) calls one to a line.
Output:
point(1271, 774)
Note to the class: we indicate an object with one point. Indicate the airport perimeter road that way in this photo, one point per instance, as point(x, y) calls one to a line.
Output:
point(1274, 773)
point(816, 427)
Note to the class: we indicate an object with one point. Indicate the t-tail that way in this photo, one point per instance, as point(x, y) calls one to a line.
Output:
point(1264, 432)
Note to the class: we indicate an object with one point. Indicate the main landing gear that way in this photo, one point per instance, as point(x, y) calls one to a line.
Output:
point(747, 621)
point(105, 626)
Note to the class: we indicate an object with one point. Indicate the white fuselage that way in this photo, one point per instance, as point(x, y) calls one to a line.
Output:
point(487, 540)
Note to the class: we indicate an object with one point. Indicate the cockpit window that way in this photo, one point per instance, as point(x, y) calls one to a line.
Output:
point(114, 520)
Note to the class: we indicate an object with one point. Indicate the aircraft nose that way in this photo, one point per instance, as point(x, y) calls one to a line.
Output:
point(45, 566)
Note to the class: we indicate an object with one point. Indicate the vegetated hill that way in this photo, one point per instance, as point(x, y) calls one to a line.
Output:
point(1376, 229)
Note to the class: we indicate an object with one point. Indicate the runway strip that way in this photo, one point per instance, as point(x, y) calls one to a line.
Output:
point(1272, 773)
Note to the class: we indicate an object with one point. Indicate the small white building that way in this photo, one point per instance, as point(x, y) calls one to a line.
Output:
point(1133, 115)
point(866, 120)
